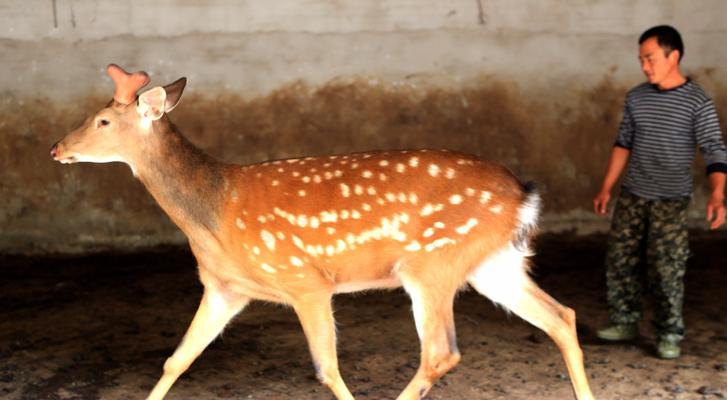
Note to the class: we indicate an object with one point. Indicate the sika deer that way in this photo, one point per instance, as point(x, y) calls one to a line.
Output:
point(299, 231)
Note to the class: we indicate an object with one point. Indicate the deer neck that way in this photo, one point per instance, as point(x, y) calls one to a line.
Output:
point(186, 182)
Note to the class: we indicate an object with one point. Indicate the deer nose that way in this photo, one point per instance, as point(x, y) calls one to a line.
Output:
point(54, 150)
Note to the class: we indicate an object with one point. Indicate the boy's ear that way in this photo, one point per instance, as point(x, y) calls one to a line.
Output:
point(151, 103)
point(174, 92)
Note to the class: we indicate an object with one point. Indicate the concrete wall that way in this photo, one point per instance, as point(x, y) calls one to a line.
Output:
point(536, 84)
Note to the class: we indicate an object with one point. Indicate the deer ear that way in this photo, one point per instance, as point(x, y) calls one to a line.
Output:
point(151, 103)
point(174, 93)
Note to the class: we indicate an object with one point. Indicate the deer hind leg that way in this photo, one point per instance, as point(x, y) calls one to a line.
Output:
point(215, 311)
point(434, 318)
point(504, 279)
point(316, 316)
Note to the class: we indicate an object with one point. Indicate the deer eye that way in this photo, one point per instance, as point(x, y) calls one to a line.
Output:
point(103, 123)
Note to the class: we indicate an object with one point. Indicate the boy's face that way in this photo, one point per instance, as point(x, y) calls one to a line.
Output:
point(656, 65)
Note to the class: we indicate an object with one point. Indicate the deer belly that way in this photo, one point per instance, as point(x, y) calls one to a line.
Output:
point(357, 286)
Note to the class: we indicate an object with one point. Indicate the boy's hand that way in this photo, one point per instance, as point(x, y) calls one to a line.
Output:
point(715, 211)
point(600, 202)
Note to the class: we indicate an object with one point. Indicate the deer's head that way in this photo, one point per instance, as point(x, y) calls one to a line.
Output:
point(117, 130)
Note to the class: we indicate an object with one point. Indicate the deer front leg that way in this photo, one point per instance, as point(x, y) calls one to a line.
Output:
point(215, 311)
point(316, 317)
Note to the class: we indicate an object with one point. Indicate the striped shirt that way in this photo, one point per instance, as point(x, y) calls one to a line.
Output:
point(661, 128)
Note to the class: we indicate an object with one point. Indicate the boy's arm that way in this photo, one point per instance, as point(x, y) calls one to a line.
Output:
point(616, 164)
point(715, 204)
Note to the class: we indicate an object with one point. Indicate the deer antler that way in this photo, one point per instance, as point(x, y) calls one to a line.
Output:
point(126, 84)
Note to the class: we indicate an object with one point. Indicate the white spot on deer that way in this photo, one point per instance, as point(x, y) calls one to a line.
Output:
point(413, 198)
point(366, 207)
point(367, 155)
point(400, 168)
point(300, 275)
point(383, 163)
point(428, 209)
point(344, 214)
point(355, 214)
point(240, 224)
point(470, 192)
point(256, 250)
point(233, 195)
point(330, 250)
point(292, 161)
point(464, 229)
point(345, 190)
point(281, 170)
point(262, 219)
point(275, 182)
point(314, 222)
point(371, 190)
point(258, 175)
point(391, 197)
point(433, 170)
point(306, 179)
point(298, 242)
point(358, 189)
point(428, 232)
point(340, 246)
point(414, 162)
point(382, 177)
point(402, 197)
point(439, 225)
point(439, 243)
point(338, 173)
point(455, 199)
point(268, 239)
point(328, 175)
point(329, 216)
point(367, 174)
point(302, 221)
point(331, 230)
point(280, 235)
point(450, 173)
point(461, 161)
point(297, 262)
point(296, 174)
point(413, 246)
point(496, 209)
point(268, 268)
point(380, 201)
point(485, 196)
point(313, 170)
point(317, 179)
point(301, 193)
point(354, 165)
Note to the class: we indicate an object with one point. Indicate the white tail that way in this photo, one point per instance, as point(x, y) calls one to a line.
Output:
point(298, 231)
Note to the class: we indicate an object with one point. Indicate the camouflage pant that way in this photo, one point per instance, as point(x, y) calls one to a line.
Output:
point(651, 234)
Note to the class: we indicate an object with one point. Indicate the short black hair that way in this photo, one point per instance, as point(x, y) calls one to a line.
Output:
point(668, 38)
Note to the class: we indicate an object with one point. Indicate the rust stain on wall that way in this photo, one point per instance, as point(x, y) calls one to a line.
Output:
point(561, 142)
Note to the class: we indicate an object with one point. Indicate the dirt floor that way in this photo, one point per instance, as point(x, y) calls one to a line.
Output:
point(101, 326)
